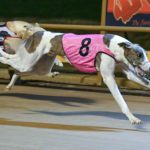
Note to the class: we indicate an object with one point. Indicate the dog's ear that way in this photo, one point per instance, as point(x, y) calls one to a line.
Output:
point(125, 45)
point(37, 25)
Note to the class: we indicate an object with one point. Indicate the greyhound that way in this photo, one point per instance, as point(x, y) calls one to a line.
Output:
point(12, 33)
point(88, 53)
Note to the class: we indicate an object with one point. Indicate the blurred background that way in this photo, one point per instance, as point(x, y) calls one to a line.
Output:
point(87, 12)
point(81, 12)
point(53, 11)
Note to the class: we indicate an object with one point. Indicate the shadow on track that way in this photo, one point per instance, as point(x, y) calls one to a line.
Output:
point(114, 115)
point(68, 101)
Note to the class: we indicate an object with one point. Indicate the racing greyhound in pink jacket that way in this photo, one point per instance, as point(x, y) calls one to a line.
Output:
point(88, 53)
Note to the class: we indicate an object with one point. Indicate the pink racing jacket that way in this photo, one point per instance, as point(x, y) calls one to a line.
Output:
point(81, 50)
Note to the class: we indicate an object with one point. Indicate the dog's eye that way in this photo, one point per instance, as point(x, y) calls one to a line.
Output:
point(140, 55)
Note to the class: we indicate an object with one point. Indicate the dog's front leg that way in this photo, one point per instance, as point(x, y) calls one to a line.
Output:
point(107, 67)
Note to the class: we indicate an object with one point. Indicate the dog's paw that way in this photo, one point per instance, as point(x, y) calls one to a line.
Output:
point(53, 74)
point(132, 118)
point(135, 120)
point(58, 63)
point(7, 89)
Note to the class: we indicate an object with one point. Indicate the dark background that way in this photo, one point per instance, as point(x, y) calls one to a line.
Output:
point(86, 12)
point(52, 11)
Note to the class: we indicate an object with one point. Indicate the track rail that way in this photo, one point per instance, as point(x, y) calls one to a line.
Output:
point(94, 27)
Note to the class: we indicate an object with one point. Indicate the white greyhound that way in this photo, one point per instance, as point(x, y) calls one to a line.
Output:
point(88, 53)
point(12, 34)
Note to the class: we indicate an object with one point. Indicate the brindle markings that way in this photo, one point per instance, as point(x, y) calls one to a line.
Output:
point(57, 47)
point(107, 38)
point(33, 41)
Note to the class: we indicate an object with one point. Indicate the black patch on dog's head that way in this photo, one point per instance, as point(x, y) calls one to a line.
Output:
point(134, 53)
point(107, 38)
point(125, 45)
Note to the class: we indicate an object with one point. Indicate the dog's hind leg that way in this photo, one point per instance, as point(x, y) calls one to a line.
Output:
point(12, 82)
point(107, 68)
point(51, 61)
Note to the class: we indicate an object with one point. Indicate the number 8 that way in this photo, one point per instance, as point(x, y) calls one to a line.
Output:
point(84, 45)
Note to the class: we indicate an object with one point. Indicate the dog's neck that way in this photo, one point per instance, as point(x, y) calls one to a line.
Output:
point(116, 49)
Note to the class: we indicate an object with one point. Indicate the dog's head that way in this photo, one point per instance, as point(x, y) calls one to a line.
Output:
point(137, 57)
point(23, 29)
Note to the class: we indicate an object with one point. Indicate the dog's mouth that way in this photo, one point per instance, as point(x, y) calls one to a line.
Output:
point(144, 75)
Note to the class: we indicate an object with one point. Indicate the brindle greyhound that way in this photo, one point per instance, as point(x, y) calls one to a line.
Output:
point(88, 56)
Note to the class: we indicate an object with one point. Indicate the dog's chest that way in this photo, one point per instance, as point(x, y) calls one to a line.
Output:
point(81, 50)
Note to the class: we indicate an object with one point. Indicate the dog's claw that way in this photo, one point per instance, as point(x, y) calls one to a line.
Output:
point(132, 118)
point(135, 120)
point(53, 74)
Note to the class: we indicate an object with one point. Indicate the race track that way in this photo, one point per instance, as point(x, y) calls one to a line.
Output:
point(36, 118)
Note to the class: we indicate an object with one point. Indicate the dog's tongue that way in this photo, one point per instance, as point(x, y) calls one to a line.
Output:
point(144, 75)
point(139, 71)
